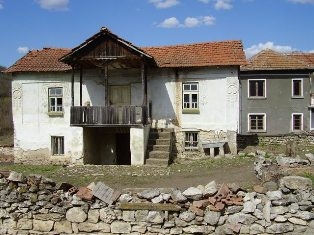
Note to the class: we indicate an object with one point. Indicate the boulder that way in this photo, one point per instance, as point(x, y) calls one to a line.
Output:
point(296, 183)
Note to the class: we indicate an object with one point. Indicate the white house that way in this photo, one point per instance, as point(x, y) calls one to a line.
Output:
point(97, 103)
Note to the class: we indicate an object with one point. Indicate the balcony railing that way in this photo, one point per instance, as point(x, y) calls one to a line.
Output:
point(108, 115)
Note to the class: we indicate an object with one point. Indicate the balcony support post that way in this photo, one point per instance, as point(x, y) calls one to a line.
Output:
point(72, 87)
point(144, 89)
point(81, 81)
point(105, 71)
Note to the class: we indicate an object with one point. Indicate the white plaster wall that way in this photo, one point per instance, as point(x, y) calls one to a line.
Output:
point(33, 127)
point(138, 144)
point(218, 98)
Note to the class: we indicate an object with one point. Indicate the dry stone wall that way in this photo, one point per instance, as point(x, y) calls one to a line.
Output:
point(36, 205)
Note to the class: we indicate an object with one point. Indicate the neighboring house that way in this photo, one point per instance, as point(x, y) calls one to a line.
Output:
point(276, 93)
point(96, 103)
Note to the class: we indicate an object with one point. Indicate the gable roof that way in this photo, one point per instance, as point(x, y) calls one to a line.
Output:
point(103, 34)
point(220, 53)
point(45, 60)
point(199, 54)
point(272, 60)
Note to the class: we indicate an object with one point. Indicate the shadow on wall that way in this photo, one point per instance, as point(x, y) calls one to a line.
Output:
point(6, 123)
point(244, 141)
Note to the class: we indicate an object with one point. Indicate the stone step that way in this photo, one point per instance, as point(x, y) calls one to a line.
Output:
point(159, 142)
point(158, 147)
point(157, 162)
point(160, 135)
point(159, 154)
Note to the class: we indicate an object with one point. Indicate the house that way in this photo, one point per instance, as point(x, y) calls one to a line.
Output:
point(276, 91)
point(99, 102)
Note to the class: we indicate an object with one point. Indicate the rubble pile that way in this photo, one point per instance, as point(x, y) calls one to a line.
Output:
point(36, 205)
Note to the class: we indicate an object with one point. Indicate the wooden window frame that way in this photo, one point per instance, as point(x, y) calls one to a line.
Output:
point(300, 88)
point(190, 107)
point(57, 145)
point(191, 140)
point(55, 110)
point(264, 96)
point(257, 129)
point(293, 115)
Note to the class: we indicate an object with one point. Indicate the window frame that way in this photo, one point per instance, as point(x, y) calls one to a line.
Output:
point(57, 149)
point(55, 97)
point(194, 146)
point(190, 92)
point(264, 87)
point(292, 122)
point(264, 123)
point(301, 88)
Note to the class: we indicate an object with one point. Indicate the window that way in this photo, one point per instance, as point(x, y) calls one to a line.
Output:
point(257, 122)
point(297, 121)
point(257, 88)
point(57, 145)
point(297, 87)
point(190, 97)
point(191, 141)
point(55, 99)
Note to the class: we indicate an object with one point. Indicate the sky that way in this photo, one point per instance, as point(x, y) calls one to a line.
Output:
point(281, 25)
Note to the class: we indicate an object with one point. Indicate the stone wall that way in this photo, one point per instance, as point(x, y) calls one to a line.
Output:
point(306, 139)
point(35, 205)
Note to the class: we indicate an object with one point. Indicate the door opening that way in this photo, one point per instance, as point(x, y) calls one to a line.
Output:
point(123, 152)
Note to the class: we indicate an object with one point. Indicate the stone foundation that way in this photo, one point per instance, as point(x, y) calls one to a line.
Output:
point(230, 137)
point(34, 205)
point(305, 139)
point(39, 157)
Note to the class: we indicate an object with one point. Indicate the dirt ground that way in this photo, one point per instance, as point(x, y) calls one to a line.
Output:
point(179, 175)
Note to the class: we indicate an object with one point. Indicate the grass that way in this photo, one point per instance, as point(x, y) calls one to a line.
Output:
point(308, 175)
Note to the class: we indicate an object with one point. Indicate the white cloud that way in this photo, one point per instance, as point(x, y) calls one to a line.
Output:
point(164, 3)
point(254, 49)
point(171, 22)
point(208, 20)
point(189, 22)
point(53, 4)
point(22, 50)
point(1, 4)
point(223, 5)
point(302, 1)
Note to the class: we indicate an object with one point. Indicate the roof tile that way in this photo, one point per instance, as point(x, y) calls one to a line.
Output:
point(271, 60)
point(189, 55)
point(199, 54)
point(45, 60)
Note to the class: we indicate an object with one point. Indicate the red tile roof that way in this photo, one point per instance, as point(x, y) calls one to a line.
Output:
point(45, 60)
point(271, 60)
point(199, 54)
point(190, 55)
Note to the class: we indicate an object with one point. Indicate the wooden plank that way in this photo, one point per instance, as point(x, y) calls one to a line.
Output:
point(149, 206)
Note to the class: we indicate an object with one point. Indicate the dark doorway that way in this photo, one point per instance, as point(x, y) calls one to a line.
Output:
point(123, 149)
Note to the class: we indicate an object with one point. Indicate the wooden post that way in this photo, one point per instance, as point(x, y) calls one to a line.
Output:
point(107, 103)
point(144, 82)
point(144, 88)
point(81, 80)
point(72, 87)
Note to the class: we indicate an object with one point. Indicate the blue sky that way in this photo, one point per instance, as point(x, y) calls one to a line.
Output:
point(283, 25)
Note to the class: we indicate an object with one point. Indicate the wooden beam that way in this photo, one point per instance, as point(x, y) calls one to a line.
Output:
point(81, 81)
point(144, 82)
point(72, 87)
point(149, 206)
point(107, 103)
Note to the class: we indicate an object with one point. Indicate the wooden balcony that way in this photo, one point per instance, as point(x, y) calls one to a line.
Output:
point(108, 115)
